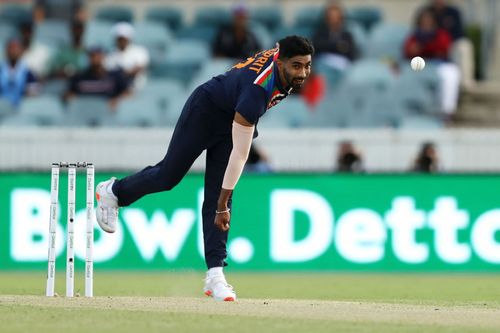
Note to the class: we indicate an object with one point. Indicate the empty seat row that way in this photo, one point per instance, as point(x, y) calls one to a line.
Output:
point(269, 16)
point(141, 110)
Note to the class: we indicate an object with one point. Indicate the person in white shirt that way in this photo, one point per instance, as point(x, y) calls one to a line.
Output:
point(131, 58)
point(37, 56)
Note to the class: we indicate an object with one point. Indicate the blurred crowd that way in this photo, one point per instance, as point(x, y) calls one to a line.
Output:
point(81, 66)
point(349, 159)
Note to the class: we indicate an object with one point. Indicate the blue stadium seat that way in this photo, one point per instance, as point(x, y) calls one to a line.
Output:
point(54, 87)
point(332, 75)
point(138, 111)
point(291, 113)
point(373, 110)
point(366, 91)
point(370, 74)
point(204, 34)
point(386, 41)
point(274, 119)
point(429, 77)
point(269, 16)
point(359, 103)
point(367, 16)
point(55, 33)
point(309, 17)
point(183, 60)
point(15, 14)
point(18, 120)
point(333, 111)
point(115, 14)
point(171, 17)
point(210, 69)
point(6, 108)
point(87, 112)
point(214, 16)
point(421, 122)
point(162, 91)
point(7, 31)
point(281, 32)
point(44, 110)
point(293, 110)
point(174, 108)
point(262, 34)
point(359, 34)
point(417, 93)
point(155, 37)
point(98, 33)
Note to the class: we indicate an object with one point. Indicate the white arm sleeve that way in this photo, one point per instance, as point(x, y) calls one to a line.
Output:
point(242, 140)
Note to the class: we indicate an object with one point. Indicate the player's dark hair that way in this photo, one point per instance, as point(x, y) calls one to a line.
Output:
point(292, 46)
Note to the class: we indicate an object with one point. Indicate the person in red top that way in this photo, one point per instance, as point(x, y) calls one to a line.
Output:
point(433, 43)
point(428, 40)
point(450, 18)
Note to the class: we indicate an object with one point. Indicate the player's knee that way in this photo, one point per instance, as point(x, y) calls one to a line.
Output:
point(167, 184)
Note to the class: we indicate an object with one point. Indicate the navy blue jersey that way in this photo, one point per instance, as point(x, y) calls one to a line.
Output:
point(249, 88)
point(109, 85)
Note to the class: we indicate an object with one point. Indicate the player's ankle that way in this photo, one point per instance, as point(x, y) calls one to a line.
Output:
point(215, 271)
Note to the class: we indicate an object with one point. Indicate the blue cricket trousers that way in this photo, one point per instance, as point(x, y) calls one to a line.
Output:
point(201, 126)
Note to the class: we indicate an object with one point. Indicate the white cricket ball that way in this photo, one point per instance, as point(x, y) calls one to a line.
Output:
point(417, 64)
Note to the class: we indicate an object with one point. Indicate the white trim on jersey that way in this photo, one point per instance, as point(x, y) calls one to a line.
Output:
point(264, 72)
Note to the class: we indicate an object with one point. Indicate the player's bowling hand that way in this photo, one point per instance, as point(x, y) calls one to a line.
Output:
point(222, 221)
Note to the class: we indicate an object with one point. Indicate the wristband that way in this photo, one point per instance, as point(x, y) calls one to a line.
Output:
point(222, 211)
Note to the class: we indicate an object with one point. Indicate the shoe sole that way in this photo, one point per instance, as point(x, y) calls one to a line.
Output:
point(227, 299)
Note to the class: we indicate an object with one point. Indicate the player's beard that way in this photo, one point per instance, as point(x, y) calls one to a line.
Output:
point(297, 82)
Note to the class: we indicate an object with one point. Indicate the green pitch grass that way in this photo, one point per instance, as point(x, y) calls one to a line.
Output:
point(287, 302)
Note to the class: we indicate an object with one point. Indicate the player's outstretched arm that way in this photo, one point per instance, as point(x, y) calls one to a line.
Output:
point(242, 140)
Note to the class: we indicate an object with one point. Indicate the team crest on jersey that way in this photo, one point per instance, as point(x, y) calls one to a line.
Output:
point(276, 97)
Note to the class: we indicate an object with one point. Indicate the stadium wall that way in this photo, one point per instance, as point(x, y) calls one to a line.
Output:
point(127, 149)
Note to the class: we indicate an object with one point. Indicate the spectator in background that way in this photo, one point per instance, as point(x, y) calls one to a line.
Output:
point(433, 43)
point(68, 10)
point(427, 160)
point(333, 43)
point(257, 162)
point(97, 81)
point(132, 59)
point(349, 158)
point(16, 79)
point(236, 40)
point(428, 40)
point(36, 55)
point(72, 58)
point(449, 18)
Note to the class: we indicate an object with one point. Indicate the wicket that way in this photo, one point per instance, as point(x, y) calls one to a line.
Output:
point(89, 239)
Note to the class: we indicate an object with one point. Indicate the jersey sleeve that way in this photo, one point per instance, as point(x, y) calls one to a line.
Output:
point(252, 103)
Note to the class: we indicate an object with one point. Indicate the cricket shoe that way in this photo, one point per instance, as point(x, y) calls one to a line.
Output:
point(107, 206)
point(219, 289)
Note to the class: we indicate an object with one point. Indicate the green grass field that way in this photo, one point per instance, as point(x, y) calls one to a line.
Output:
point(287, 302)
